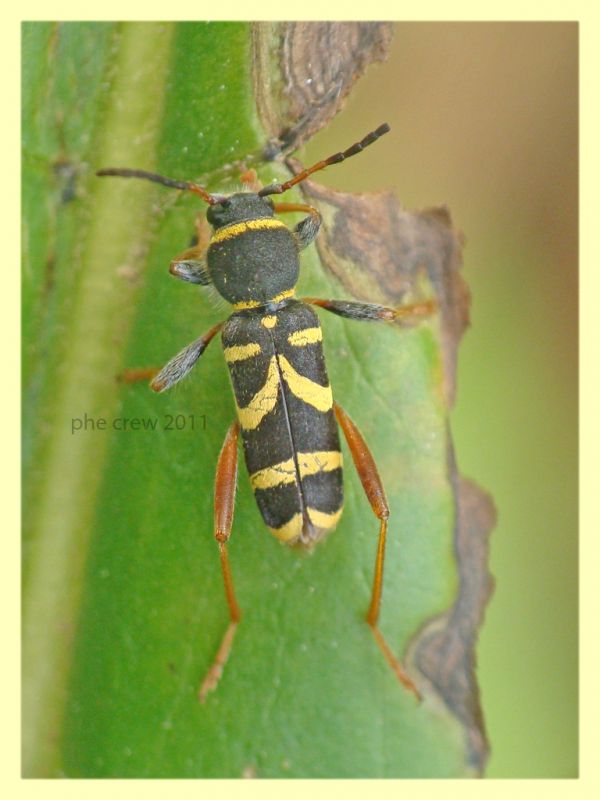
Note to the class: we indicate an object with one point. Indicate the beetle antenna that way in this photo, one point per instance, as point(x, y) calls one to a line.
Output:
point(278, 188)
point(152, 176)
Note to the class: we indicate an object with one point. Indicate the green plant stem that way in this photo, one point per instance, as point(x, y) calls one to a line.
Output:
point(73, 465)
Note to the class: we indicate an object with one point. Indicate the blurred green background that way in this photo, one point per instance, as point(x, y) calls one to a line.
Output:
point(484, 119)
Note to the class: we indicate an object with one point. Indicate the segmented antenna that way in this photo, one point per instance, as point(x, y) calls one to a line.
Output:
point(152, 176)
point(279, 188)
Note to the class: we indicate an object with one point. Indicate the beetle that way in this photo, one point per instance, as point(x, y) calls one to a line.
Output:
point(272, 342)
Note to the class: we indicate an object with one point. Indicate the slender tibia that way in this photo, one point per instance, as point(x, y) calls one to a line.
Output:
point(225, 487)
point(179, 366)
point(371, 483)
point(352, 309)
point(307, 229)
point(135, 375)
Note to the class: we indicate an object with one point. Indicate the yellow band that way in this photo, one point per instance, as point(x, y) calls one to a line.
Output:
point(324, 519)
point(245, 304)
point(278, 474)
point(291, 530)
point(320, 519)
point(305, 336)
point(285, 471)
point(305, 389)
point(230, 231)
point(241, 351)
point(318, 461)
point(282, 296)
point(263, 402)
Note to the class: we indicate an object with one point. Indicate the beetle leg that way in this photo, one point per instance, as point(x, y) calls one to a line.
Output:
point(190, 265)
point(307, 229)
point(176, 369)
point(179, 366)
point(225, 487)
point(352, 309)
point(137, 374)
point(371, 482)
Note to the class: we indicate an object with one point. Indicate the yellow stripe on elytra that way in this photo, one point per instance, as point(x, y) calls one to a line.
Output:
point(285, 471)
point(305, 336)
point(320, 397)
point(291, 530)
point(278, 474)
point(230, 231)
point(241, 351)
point(324, 519)
point(319, 461)
point(263, 402)
point(320, 519)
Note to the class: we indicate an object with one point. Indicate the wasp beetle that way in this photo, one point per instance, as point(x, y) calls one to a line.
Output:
point(272, 344)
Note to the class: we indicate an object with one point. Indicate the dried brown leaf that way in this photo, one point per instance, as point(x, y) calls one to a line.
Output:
point(317, 63)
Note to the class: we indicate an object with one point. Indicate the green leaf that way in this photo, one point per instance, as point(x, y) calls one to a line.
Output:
point(123, 598)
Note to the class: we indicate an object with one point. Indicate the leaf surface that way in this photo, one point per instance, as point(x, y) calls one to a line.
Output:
point(124, 603)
